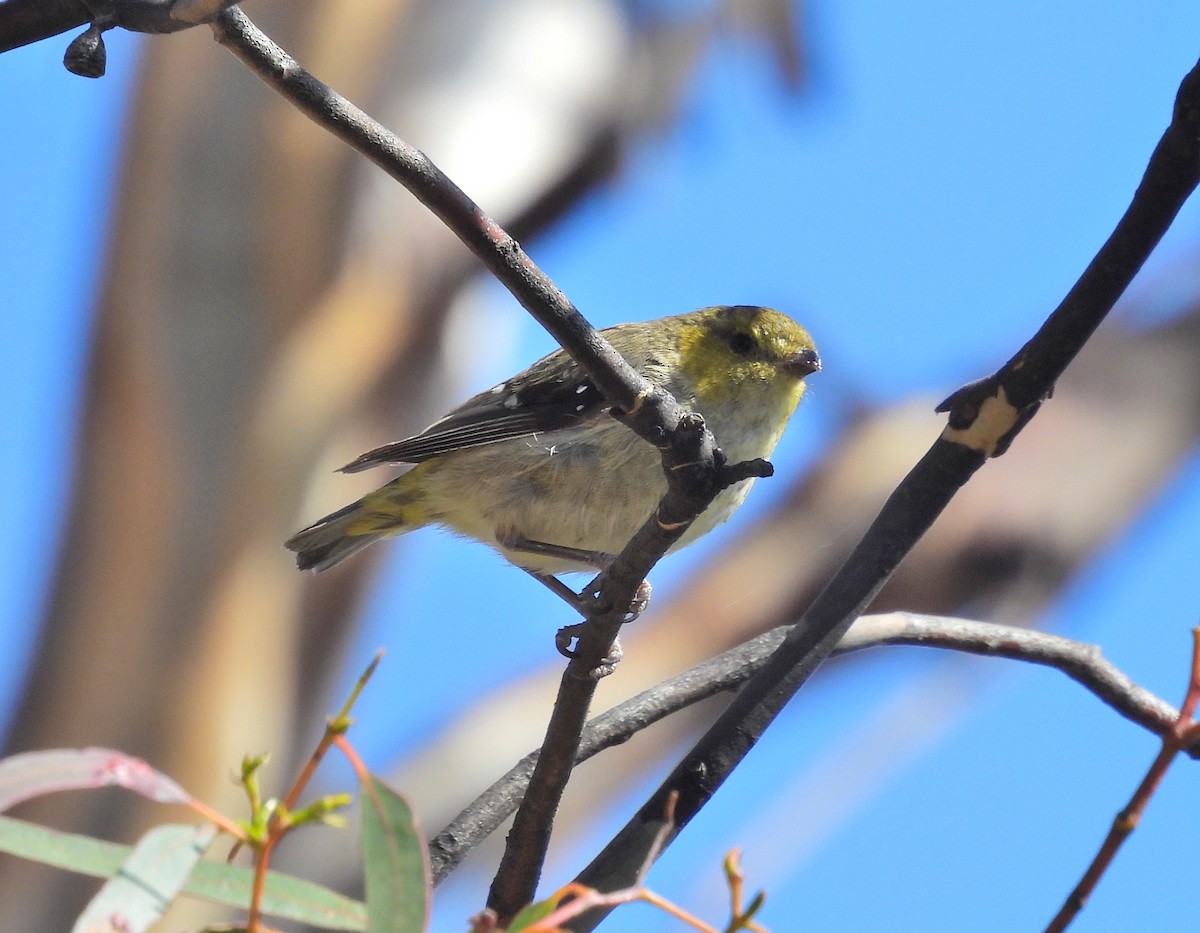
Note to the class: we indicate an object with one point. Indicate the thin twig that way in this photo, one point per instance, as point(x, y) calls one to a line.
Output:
point(583, 899)
point(282, 821)
point(1182, 734)
point(335, 729)
point(1082, 662)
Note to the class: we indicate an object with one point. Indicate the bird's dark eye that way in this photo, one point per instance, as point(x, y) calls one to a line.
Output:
point(741, 343)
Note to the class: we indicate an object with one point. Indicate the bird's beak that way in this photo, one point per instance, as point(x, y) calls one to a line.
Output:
point(802, 364)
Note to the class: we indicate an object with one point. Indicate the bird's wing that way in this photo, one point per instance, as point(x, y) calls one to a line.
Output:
point(552, 394)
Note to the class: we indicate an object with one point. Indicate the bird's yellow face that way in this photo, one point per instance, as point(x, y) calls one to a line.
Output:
point(730, 351)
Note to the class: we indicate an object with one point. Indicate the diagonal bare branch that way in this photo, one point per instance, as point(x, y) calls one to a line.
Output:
point(984, 418)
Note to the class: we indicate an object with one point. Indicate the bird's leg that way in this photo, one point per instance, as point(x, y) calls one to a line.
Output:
point(598, 559)
point(558, 588)
point(601, 560)
point(515, 541)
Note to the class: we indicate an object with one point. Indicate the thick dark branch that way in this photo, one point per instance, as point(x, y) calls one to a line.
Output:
point(652, 413)
point(909, 511)
point(26, 21)
point(1170, 179)
point(23, 22)
point(983, 421)
point(989, 413)
point(1081, 662)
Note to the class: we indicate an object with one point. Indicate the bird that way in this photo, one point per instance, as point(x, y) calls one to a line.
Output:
point(537, 468)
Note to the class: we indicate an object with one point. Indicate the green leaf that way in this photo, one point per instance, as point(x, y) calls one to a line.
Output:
point(397, 865)
point(285, 896)
point(531, 914)
point(148, 880)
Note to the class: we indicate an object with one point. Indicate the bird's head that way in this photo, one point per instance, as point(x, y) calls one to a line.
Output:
point(726, 351)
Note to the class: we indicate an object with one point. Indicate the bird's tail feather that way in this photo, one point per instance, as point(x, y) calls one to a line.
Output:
point(327, 542)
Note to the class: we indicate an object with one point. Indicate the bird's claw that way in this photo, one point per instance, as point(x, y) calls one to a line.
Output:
point(564, 636)
point(641, 599)
point(605, 666)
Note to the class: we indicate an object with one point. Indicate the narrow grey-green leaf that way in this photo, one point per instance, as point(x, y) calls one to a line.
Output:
point(285, 896)
point(80, 854)
point(148, 881)
point(396, 862)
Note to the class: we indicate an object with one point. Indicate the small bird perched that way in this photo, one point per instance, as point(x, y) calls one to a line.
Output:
point(537, 468)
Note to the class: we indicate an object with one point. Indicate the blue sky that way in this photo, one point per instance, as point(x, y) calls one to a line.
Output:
point(943, 181)
point(58, 164)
